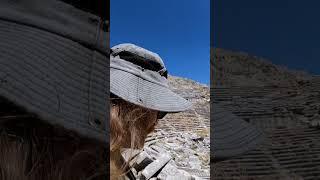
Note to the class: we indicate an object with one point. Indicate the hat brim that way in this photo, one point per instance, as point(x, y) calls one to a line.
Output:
point(139, 91)
point(61, 81)
point(232, 136)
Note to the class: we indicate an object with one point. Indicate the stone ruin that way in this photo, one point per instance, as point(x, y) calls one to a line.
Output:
point(285, 104)
point(180, 146)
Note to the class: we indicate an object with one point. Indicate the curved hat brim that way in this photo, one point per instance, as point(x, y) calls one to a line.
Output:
point(232, 136)
point(142, 92)
point(61, 81)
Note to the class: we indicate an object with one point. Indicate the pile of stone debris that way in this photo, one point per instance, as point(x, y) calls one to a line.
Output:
point(188, 150)
point(175, 155)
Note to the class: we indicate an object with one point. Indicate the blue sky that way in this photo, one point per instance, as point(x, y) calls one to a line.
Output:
point(285, 31)
point(178, 30)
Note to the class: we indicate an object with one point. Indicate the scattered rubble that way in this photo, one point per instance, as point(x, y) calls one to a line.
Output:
point(186, 149)
point(180, 146)
point(187, 134)
point(175, 155)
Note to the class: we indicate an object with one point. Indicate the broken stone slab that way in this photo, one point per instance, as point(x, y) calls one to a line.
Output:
point(189, 150)
point(143, 166)
point(170, 172)
point(155, 166)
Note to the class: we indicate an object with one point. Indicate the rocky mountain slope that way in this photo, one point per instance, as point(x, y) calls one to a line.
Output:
point(241, 69)
point(185, 136)
point(284, 103)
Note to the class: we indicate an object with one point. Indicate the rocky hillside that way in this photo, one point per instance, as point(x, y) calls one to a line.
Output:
point(197, 118)
point(241, 69)
point(185, 136)
point(284, 103)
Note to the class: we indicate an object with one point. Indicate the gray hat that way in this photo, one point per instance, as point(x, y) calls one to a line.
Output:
point(54, 65)
point(231, 135)
point(139, 76)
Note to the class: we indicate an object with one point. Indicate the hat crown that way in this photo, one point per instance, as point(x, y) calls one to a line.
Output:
point(68, 18)
point(139, 56)
point(139, 76)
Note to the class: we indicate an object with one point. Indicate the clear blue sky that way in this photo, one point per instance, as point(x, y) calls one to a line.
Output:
point(285, 31)
point(178, 30)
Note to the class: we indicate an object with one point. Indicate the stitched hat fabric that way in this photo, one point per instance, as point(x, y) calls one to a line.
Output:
point(54, 62)
point(139, 76)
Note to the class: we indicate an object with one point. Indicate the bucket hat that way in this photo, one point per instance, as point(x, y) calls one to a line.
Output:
point(139, 76)
point(231, 136)
point(53, 61)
